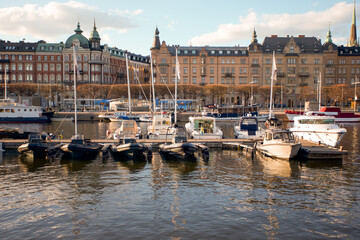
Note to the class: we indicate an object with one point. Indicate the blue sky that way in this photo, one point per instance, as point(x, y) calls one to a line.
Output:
point(130, 25)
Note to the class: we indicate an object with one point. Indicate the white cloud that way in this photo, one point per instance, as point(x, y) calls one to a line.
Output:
point(309, 23)
point(55, 20)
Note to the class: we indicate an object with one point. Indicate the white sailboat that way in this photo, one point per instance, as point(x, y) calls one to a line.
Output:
point(79, 147)
point(278, 143)
point(124, 116)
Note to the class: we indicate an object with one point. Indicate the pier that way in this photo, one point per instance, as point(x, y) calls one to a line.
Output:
point(308, 151)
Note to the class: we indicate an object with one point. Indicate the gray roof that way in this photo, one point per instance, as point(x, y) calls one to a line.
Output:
point(211, 51)
point(306, 44)
point(17, 46)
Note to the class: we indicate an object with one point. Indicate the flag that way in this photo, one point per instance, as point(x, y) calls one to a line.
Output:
point(75, 61)
point(177, 67)
point(274, 69)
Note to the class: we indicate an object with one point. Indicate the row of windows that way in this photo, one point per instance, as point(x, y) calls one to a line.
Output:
point(228, 52)
point(20, 57)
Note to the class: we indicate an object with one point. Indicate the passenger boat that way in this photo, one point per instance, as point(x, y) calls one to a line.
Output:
point(232, 113)
point(340, 117)
point(203, 128)
point(319, 129)
point(40, 146)
point(12, 112)
point(279, 143)
point(248, 128)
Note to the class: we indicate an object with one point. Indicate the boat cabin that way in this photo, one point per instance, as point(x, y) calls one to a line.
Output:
point(204, 125)
point(282, 135)
point(312, 120)
point(249, 124)
point(230, 111)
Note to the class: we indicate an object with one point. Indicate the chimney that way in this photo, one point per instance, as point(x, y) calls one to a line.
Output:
point(301, 36)
point(273, 36)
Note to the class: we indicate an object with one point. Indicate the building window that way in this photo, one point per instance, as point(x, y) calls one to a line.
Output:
point(255, 61)
point(303, 61)
point(194, 61)
point(185, 60)
point(194, 80)
point(222, 80)
point(185, 70)
point(194, 70)
point(291, 61)
point(211, 80)
point(316, 61)
point(163, 60)
point(211, 70)
point(268, 61)
point(185, 79)
point(211, 60)
point(223, 61)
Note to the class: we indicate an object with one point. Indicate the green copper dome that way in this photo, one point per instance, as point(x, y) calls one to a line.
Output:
point(84, 42)
point(94, 33)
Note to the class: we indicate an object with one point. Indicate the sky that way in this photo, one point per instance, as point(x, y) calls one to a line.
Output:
point(130, 25)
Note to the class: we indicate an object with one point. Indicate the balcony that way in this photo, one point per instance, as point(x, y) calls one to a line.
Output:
point(202, 84)
point(304, 74)
point(96, 62)
point(228, 74)
point(303, 84)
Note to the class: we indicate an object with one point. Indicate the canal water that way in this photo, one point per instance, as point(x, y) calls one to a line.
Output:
point(229, 197)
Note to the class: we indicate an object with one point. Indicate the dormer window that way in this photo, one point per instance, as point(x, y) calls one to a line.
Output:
point(291, 49)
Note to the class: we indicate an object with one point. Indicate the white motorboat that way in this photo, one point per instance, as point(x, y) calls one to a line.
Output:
point(319, 129)
point(128, 129)
point(159, 127)
point(203, 128)
point(248, 128)
point(279, 143)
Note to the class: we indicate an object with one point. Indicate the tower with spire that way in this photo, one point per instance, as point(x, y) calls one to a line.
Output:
point(353, 38)
point(156, 42)
point(95, 38)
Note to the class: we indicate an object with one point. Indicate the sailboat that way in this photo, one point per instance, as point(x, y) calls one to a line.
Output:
point(124, 116)
point(79, 148)
point(179, 148)
point(161, 124)
point(279, 143)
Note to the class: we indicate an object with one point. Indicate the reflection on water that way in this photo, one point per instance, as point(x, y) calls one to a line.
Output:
point(229, 197)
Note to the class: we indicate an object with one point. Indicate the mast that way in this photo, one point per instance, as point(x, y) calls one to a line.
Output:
point(75, 104)
point(273, 77)
point(5, 83)
point(128, 82)
point(177, 76)
point(319, 91)
point(152, 84)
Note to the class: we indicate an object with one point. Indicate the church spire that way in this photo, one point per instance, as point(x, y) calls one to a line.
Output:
point(353, 38)
point(156, 43)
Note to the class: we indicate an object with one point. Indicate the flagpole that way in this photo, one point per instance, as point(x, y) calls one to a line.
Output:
point(176, 79)
point(355, 97)
point(319, 91)
point(128, 82)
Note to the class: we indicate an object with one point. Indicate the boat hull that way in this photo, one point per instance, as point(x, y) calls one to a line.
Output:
point(279, 150)
point(330, 138)
point(129, 151)
point(80, 151)
point(24, 119)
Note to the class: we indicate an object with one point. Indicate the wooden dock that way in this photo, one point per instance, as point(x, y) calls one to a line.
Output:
point(309, 150)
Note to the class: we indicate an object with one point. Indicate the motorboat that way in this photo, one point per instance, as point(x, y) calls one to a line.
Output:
point(203, 128)
point(279, 143)
point(80, 148)
point(319, 129)
point(178, 148)
point(129, 149)
point(340, 117)
point(12, 112)
point(14, 133)
point(248, 128)
point(128, 129)
point(159, 129)
point(40, 146)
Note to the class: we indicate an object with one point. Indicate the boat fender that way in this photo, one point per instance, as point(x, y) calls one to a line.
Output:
point(108, 132)
point(219, 115)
